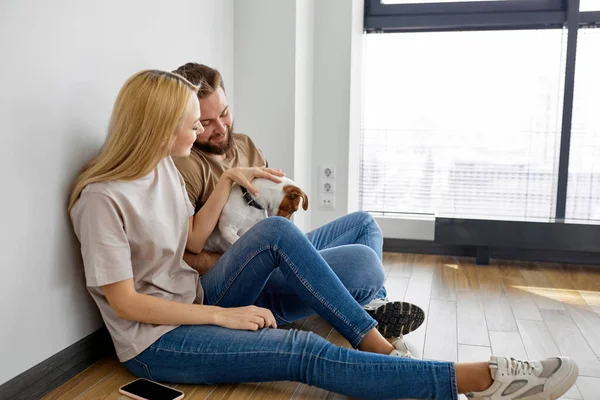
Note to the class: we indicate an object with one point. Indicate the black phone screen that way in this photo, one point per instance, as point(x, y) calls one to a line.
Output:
point(150, 390)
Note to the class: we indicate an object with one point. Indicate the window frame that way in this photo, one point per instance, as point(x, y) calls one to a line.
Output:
point(380, 8)
point(380, 18)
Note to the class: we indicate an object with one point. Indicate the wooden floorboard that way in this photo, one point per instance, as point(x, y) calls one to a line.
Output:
point(508, 344)
point(498, 313)
point(518, 309)
point(521, 301)
point(84, 380)
point(472, 325)
point(571, 342)
point(467, 353)
point(441, 338)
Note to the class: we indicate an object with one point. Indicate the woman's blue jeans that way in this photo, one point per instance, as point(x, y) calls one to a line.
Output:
point(206, 354)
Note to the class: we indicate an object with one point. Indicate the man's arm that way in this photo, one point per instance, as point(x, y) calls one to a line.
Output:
point(192, 175)
point(202, 262)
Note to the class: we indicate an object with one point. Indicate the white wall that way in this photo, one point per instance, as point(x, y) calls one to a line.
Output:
point(63, 63)
point(305, 11)
point(337, 105)
point(298, 92)
point(273, 44)
point(264, 67)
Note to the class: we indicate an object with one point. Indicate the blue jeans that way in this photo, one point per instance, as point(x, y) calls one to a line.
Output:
point(346, 245)
point(206, 354)
point(356, 228)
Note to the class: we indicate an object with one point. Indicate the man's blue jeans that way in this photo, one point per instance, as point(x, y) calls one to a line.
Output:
point(345, 245)
point(206, 354)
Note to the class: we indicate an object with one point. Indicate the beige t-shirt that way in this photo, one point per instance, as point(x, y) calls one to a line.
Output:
point(137, 229)
point(201, 172)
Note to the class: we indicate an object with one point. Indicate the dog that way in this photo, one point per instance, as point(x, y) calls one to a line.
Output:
point(242, 211)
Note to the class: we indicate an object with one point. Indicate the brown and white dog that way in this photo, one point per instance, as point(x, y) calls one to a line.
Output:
point(242, 211)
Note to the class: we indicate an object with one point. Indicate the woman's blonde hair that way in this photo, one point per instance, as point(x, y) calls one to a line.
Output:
point(145, 116)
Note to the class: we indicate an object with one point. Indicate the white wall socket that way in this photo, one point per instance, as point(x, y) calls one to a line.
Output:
point(327, 186)
point(327, 201)
point(327, 171)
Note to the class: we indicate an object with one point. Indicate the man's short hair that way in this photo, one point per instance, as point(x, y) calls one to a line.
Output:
point(206, 78)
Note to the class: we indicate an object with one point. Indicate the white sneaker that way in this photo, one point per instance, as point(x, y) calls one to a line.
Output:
point(395, 318)
point(514, 379)
point(401, 349)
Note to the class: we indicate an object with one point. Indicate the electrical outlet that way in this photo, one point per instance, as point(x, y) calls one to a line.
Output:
point(327, 201)
point(327, 171)
point(327, 186)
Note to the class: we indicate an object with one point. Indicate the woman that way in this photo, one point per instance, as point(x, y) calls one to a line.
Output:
point(131, 214)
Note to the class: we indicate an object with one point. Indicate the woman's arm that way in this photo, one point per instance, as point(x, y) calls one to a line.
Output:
point(133, 306)
point(203, 223)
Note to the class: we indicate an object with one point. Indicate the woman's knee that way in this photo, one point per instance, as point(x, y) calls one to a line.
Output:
point(277, 227)
point(275, 222)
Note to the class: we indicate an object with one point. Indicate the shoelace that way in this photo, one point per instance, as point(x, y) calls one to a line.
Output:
point(399, 342)
point(515, 367)
point(519, 367)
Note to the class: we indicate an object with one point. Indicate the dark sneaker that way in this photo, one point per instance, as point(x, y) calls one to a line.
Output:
point(395, 318)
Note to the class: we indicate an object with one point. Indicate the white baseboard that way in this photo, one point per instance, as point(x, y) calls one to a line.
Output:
point(407, 226)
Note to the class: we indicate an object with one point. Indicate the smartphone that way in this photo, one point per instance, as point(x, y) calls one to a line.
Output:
point(143, 389)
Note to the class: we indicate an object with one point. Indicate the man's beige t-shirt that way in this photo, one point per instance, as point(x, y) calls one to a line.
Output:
point(137, 229)
point(201, 172)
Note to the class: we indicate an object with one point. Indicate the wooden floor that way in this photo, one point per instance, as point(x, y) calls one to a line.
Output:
point(520, 309)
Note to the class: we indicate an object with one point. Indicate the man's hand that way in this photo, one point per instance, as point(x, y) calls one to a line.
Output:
point(202, 262)
point(244, 176)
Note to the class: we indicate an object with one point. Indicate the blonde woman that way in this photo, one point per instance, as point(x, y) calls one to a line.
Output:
point(132, 216)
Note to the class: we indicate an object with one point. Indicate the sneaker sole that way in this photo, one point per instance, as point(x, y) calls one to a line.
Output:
point(560, 389)
point(397, 318)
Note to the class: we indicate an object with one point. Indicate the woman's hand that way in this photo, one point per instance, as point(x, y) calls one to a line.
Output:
point(250, 318)
point(244, 176)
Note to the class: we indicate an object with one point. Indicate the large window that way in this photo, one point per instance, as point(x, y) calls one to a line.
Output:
point(583, 195)
point(463, 124)
point(430, 1)
point(482, 109)
point(589, 5)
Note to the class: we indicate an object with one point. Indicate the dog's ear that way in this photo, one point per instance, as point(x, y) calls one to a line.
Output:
point(293, 192)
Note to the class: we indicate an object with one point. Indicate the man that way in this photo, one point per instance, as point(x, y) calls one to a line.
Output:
point(340, 242)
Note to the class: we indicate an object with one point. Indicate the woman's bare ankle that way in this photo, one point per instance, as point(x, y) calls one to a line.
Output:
point(473, 377)
point(373, 342)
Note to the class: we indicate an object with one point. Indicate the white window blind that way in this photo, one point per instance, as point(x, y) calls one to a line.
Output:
point(463, 124)
point(583, 188)
point(589, 5)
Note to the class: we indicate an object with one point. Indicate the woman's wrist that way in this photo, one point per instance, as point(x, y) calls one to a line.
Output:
point(211, 315)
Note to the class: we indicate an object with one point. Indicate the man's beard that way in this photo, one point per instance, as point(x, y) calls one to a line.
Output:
point(217, 149)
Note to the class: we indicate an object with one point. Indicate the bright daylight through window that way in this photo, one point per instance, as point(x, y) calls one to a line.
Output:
point(463, 124)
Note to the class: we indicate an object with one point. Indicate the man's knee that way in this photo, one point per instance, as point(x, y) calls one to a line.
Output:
point(366, 219)
point(369, 266)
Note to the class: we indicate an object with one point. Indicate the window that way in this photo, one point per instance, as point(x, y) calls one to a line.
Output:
point(583, 190)
point(589, 5)
point(463, 124)
point(431, 1)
